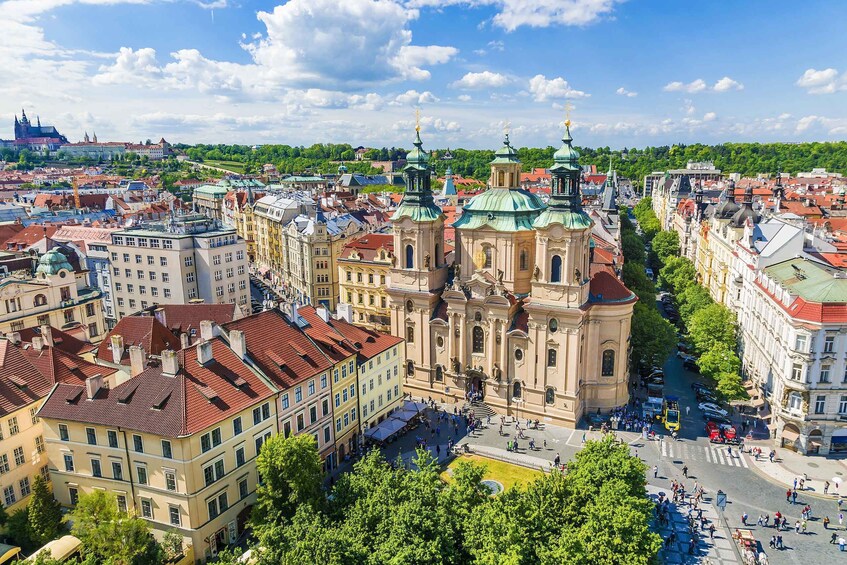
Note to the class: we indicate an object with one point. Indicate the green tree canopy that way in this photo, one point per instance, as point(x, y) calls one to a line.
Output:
point(653, 337)
point(45, 513)
point(691, 300)
point(666, 245)
point(678, 273)
point(719, 360)
point(710, 326)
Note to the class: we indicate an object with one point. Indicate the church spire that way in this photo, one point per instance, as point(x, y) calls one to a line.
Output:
point(565, 205)
point(417, 201)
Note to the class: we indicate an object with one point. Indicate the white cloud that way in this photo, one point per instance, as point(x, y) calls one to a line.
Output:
point(543, 89)
point(513, 14)
point(484, 79)
point(624, 92)
point(699, 85)
point(806, 122)
point(465, 98)
point(130, 66)
point(726, 83)
point(414, 98)
point(688, 106)
point(492, 46)
point(825, 81)
point(429, 123)
point(710, 116)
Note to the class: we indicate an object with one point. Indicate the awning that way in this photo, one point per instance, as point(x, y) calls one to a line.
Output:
point(264, 270)
point(817, 440)
point(416, 406)
point(404, 415)
point(790, 435)
point(60, 549)
point(7, 552)
point(385, 430)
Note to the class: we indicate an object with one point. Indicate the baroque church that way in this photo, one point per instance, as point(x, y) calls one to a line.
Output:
point(521, 320)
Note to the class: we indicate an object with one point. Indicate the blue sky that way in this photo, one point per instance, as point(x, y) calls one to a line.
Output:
point(636, 72)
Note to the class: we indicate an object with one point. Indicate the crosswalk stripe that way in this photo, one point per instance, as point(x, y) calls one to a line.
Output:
point(708, 455)
point(719, 456)
point(744, 462)
point(664, 452)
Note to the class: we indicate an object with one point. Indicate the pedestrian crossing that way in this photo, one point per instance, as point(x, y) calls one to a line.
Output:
point(716, 455)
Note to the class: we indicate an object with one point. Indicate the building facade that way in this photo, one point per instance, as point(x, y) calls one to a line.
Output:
point(364, 267)
point(183, 259)
point(518, 321)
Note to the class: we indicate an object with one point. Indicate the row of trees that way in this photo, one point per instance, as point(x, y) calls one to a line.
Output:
point(711, 326)
point(381, 513)
point(653, 337)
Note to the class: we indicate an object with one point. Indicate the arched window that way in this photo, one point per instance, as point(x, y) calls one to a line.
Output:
point(487, 252)
point(410, 257)
point(551, 357)
point(556, 269)
point(549, 395)
point(439, 373)
point(608, 363)
point(524, 260)
point(501, 178)
point(478, 340)
point(516, 389)
point(40, 300)
point(553, 325)
point(518, 354)
point(410, 334)
point(410, 368)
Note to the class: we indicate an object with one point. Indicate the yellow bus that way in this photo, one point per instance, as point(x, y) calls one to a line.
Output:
point(670, 415)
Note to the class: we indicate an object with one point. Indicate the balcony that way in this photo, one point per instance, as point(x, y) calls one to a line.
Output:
point(66, 303)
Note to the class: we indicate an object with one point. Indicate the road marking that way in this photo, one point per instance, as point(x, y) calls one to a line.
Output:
point(664, 452)
point(708, 455)
point(743, 462)
point(718, 456)
point(571, 436)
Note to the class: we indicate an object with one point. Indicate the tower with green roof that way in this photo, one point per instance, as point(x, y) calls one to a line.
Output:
point(564, 234)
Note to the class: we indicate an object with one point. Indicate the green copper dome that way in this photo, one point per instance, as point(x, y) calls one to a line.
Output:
point(52, 262)
point(417, 203)
point(564, 207)
point(417, 157)
point(503, 209)
point(506, 154)
point(566, 155)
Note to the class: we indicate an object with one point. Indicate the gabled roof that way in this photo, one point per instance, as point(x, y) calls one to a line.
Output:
point(61, 340)
point(605, 287)
point(198, 397)
point(335, 345)
point(282, 351)
point(27, 374)
point(144, 331)
point(366, 343)
point(183, 318)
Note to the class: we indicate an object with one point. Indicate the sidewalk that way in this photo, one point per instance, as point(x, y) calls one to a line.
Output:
point(789, 466)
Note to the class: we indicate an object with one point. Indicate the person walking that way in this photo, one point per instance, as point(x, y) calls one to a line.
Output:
point(794, 497)
point(788, 496)
point(841, 543)
point(797, 527)
point(655, 471)
point(833, 538)
point(826, 522)
point(685, 471)
point(826, 487)
point(687, 410)
point(840, 519)
point(744, 519)
point(712, 531)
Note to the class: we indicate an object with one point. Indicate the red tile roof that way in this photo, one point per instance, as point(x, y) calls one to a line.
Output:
point(8, 231)
point(39, 370)
point(198, 397)
point(605, 287)
point(183, 318)
point(61, 340)
point(29, 236)
point(282, 351)
point(144, 331)
point(333, 344)
point(368, 245)
point(367, 343)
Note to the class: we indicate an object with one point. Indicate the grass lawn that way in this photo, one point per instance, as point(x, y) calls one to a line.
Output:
point(233, 166)
point(504, 473)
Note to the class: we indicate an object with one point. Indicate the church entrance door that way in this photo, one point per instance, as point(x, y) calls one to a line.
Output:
point(476, 387)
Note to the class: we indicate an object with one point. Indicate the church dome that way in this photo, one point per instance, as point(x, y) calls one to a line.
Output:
point(52, 262)
point(506, 154)
point(417, 156)
point(566, 154)
point(502, 209)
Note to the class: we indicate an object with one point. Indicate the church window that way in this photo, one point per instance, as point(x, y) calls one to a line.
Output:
point(437, 259)
point(410, 334)
point(501, 178)
point(40, 300)
point(478, 340)
point(608, 363)
point(516, 389)
point(410, 257)
point(518, 354)
point(549, 395)
point(487, 252)
point(524, 260)
point(551, 357)
point(553, 325)
point(556, 269)
point(410, 368)
point(439, 373)
point(409, 306)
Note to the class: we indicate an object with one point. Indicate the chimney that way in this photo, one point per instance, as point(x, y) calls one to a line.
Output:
point(137, 360)
point(208, 330)
point(170, 363)
point(47, 334)
point(323, 313)
point(204, 352)
point(37, 342)
point(159, 314)
point(14, 337)
point(184, 340)
point(238, 343)
point(93, 385)
point(117, 348)
point(294, 312)
point(345, 312)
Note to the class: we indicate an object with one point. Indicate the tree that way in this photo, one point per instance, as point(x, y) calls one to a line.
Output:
point(636, 280)
point(113, 536)
point(678, 273)
point(172, 545)
point(632, 247)
point(18, 530)
point(653, 337)
point(291, 471)
point(45, 513)
point(691, 300)
point(666, 245)
point(712, 325)
point(718, 360)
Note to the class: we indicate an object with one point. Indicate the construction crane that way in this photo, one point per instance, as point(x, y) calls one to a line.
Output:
point(76, 193)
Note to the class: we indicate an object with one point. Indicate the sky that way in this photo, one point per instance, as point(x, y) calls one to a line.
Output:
point(629, 73)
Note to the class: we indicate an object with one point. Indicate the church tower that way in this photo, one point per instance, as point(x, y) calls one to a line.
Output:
point(563, 233)
point(420, 272)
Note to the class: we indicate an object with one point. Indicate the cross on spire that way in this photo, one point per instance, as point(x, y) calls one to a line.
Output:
point(507, 127)
point(568, 108)
point(417, 120)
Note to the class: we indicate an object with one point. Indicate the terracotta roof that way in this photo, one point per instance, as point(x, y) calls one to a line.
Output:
point(282, 351)
point(29, 236)
point(605, 287)
point(198, 397)
point(368, 245)
point(8, 231)
point(39, 370)
point(144, 331)
point(367, 343)
point(332, 343)
point(183, 318)
point(61, 340)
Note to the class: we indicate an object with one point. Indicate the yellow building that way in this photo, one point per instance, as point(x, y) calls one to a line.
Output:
point(363, 270)
point(238, 214)
point(177, 444)
point(54, 295)
point(28, 372)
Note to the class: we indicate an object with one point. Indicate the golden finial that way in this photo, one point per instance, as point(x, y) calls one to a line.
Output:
point(417, 120)
point(568, 108)
point(507, 127)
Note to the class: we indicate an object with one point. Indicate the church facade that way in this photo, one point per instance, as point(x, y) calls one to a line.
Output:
point(520, 320)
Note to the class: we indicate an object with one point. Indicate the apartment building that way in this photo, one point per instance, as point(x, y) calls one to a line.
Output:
point(277, 347)
point(379, 358)
point(364, 266)
point(177, 443)
point(271, 214)
point(238, 214)
point(28, 371)
point(54, 294)
point(187, 258)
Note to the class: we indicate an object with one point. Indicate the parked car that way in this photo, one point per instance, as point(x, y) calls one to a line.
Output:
point(683, 347)
point(691, 365)
point(700, 386)
point(709, 416)
point(711, 406)
point(685, 356)
point(706, 395)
